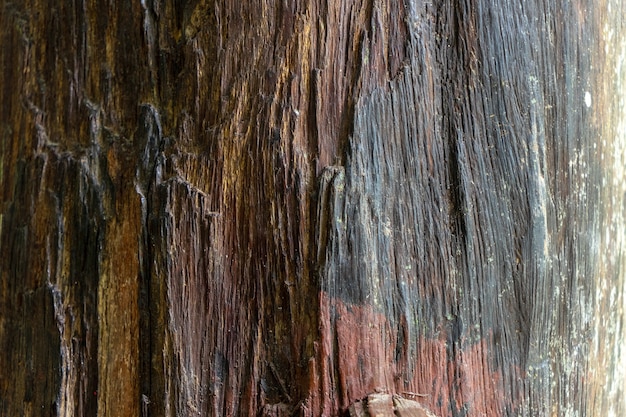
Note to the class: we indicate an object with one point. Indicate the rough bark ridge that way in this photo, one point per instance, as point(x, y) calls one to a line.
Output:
point(312, 208)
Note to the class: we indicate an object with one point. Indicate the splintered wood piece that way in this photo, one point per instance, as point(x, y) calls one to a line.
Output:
point(409, 408)
point(386, 405)
point(380, 405)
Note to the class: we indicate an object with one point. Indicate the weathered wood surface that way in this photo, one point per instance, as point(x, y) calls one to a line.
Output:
point(282, 208)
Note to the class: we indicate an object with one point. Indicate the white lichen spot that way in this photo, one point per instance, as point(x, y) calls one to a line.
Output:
point(587, 99)
point(387, 228)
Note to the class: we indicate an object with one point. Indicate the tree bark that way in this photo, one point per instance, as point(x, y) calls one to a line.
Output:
point(276, 208)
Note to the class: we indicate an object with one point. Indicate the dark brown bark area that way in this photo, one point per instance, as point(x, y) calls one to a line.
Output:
point(311, 208)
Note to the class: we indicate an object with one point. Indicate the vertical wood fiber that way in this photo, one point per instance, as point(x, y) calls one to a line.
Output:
point(312, 208)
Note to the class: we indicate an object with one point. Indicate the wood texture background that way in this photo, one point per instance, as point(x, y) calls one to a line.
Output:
point(284, 208)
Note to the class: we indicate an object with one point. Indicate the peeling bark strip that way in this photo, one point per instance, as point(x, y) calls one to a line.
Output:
point(350, 207)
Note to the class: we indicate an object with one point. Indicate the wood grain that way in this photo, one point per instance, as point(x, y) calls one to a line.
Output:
point(300, 208)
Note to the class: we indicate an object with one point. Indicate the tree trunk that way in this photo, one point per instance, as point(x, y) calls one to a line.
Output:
point(279, 208)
